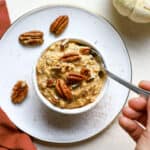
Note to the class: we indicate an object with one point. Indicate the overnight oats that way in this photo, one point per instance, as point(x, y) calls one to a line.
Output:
point(69, 75)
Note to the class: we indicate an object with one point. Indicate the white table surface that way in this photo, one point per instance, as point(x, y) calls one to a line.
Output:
point(137, 39)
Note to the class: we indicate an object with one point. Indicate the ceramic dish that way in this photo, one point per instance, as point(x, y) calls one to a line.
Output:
point(16, 63)
point(77, 110)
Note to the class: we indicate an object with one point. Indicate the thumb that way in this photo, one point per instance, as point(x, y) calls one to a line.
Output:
point(145, 85)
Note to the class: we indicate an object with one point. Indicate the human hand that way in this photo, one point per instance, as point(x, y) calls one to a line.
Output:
point(135, 119)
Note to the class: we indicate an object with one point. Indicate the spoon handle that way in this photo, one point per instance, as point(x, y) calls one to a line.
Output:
point(128, 85)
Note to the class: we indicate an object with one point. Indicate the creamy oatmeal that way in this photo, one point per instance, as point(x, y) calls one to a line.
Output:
point(69, 75)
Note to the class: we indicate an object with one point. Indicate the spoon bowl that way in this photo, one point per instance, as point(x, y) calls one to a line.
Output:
point(128, 85)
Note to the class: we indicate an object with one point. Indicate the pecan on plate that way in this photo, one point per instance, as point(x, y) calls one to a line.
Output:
point(31, 38)
point(63, 90)
point(74, 78)
point(69, 57)
point(19, 92)
point(59, 25)
point(85, 50)
point(86, 72)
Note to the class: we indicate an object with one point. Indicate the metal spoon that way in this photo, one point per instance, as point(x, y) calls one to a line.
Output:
point(120, 80)
point(130, 86)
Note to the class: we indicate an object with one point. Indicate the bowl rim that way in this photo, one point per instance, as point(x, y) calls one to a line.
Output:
point(73, 111)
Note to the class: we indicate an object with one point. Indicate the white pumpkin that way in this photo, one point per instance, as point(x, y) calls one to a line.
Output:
point(136, 10)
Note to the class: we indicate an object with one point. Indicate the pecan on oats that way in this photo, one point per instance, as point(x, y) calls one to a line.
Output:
point(69, 57)
point(19, 92)
point(85, 50)
point(63, 90)
point(74, 78)
point(86, 72)
point(59, 25)
point(31, 38)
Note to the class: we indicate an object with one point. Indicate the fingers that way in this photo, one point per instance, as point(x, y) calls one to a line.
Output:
point(138, 104)
point(131, 127)
point(137, 110)
point(130, 113)
point(145, 85)
point(148, 113)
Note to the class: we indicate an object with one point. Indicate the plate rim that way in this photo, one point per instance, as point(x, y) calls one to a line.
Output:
point(35, 10)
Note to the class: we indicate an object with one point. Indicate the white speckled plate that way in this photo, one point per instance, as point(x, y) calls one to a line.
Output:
point(16, 63)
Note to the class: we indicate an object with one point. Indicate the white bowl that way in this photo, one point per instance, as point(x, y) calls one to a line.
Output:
point(74, 110)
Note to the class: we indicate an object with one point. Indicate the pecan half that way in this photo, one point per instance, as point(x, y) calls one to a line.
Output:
point(86, 72)
point(63, 90)
point(59, 25)
point(74, 78)
point(19, 92)
point(69, 57)
point(31, 38)
point(85, 50)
